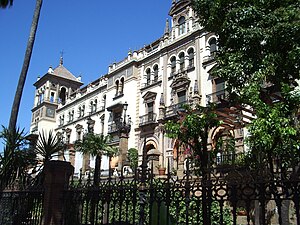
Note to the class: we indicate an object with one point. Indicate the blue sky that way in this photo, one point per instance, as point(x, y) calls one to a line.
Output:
point(92, 36)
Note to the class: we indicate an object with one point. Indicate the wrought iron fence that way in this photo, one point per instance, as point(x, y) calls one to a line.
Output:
point(22, 206)
point(235, 197)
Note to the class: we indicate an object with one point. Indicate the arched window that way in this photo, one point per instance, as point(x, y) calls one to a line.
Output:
point(212, 46)
point(62, 95)
point(82, 110)
point(173, 64)
point(62, 120)
point(148, 76)
point(79, 111)
point(181, 24)
point(91, 106)
point(104, 101)
point(191, 57)
point(72, 115)
point(122, 85)
point(95, 105)
point(117, 87)
point(181, 61)
point(155, 69)
point(52, 97)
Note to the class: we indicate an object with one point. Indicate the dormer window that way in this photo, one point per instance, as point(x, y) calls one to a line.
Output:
point(181, 25)
point(181, 61)
point(155, 69)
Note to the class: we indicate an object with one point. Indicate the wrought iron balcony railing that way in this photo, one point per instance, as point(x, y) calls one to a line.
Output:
point(148, 119)
point(216, 97)
point(227, 159)
point(113, 127)
point(173, 109)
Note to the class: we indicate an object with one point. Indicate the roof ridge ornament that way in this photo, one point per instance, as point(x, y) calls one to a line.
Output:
point(61, 60)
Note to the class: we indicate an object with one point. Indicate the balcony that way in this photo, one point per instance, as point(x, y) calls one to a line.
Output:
point(227, 160)
point(173, 109)
point(113, 127)
point(216, 97)
point(151, 83)
point(147, 119)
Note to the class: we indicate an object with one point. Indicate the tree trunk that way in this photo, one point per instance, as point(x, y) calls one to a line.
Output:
point(26, 62)
point(97, 171)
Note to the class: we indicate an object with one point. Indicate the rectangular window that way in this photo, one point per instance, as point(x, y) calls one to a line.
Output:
point(150, 111)
point(181, 96)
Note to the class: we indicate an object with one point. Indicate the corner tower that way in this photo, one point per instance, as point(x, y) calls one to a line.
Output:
point(52, 89)
point(183, 18)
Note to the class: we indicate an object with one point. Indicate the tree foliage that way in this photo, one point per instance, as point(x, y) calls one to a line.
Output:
point(6, 3)
point(48, 145)
point(96, 145)
point(16, 158)
point(192, 129)
point(258, 57)
point(133, 157)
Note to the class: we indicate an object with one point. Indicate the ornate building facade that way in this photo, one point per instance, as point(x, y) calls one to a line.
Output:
point(139, 93)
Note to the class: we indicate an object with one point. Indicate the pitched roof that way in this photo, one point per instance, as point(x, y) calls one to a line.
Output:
point(61, 71)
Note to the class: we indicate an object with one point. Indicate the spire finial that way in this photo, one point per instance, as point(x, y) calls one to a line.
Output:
point(61, 61)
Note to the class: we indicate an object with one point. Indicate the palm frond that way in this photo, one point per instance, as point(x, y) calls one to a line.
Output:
point(94, 144)
point(5, 3)
point(48, 145)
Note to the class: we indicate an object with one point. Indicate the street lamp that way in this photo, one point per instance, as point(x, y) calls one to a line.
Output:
point(125, 126)
point(125, 106)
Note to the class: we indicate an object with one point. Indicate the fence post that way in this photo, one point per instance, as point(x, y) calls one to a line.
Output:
point(57, 174)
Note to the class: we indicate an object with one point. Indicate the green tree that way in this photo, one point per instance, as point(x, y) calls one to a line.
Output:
point(96, 145)
point(48, 145)
point(258, 57)
point(133, 157)
point(26, 62)
point(5, 3)
point(16, 158)
point(192, 130)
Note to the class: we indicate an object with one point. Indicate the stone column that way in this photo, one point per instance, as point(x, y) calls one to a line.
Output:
point(153, 157)
point(57, 174)
point(123, 145)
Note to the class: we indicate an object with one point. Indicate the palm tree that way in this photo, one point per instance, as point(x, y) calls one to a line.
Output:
point(5, 3)
point(48, 146)
point(96, 145)
point(16, 158)
point(26, 62)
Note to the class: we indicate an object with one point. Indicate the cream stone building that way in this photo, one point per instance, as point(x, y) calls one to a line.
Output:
point(144, 91)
